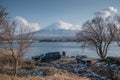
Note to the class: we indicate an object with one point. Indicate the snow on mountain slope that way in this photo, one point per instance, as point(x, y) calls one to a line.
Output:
point(62, 25)
point(58, 29)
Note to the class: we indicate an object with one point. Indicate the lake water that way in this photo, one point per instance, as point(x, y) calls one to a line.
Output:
point(71, 49)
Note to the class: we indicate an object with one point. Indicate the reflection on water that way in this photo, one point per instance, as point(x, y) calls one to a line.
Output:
point(71, 49)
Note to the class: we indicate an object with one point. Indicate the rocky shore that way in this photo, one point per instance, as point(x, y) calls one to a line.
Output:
point(97, 70)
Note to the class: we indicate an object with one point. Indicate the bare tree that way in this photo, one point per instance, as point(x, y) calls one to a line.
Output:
point(3, 14)
point(8, 36)
point(3, 17)
point(117, 22)
point(98, 33)
point(23, 41)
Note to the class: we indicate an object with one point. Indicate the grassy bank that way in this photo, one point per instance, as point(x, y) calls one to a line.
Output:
point(57, 76)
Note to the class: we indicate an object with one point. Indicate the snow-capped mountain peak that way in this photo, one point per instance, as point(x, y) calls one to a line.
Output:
point(62, 25)
point(59, 29)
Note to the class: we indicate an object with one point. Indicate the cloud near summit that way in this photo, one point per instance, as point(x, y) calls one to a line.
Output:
point(23, 23)
point(106, 12)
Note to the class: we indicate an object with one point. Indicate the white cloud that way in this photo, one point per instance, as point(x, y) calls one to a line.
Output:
point(106, 12)
point(112, 9)
point(23, 23)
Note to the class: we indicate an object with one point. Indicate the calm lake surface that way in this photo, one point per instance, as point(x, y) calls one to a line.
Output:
point(71, 49)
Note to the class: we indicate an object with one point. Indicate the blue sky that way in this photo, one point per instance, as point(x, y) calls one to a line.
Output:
point(46, 12)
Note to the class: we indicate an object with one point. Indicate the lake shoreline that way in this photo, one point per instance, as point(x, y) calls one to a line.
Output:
point(71, 49)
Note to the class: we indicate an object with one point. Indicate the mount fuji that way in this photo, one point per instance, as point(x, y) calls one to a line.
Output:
point(57, 30)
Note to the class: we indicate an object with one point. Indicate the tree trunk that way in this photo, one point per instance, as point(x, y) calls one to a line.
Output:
point(102, 55)
point(16, 68)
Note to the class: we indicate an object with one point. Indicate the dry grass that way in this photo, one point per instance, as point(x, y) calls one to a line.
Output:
point(6, 56)
point(7, 62)
point(5, 59)
point(58, 76)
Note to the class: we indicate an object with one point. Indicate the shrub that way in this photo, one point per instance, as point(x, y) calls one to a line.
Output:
point(113, 60)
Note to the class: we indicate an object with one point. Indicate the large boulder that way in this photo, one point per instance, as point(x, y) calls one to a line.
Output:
point(48, 57)
point(83, 60)
point(37, 58)
point(51, 57)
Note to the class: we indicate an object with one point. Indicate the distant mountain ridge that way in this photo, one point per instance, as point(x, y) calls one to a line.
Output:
point(59, 29)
